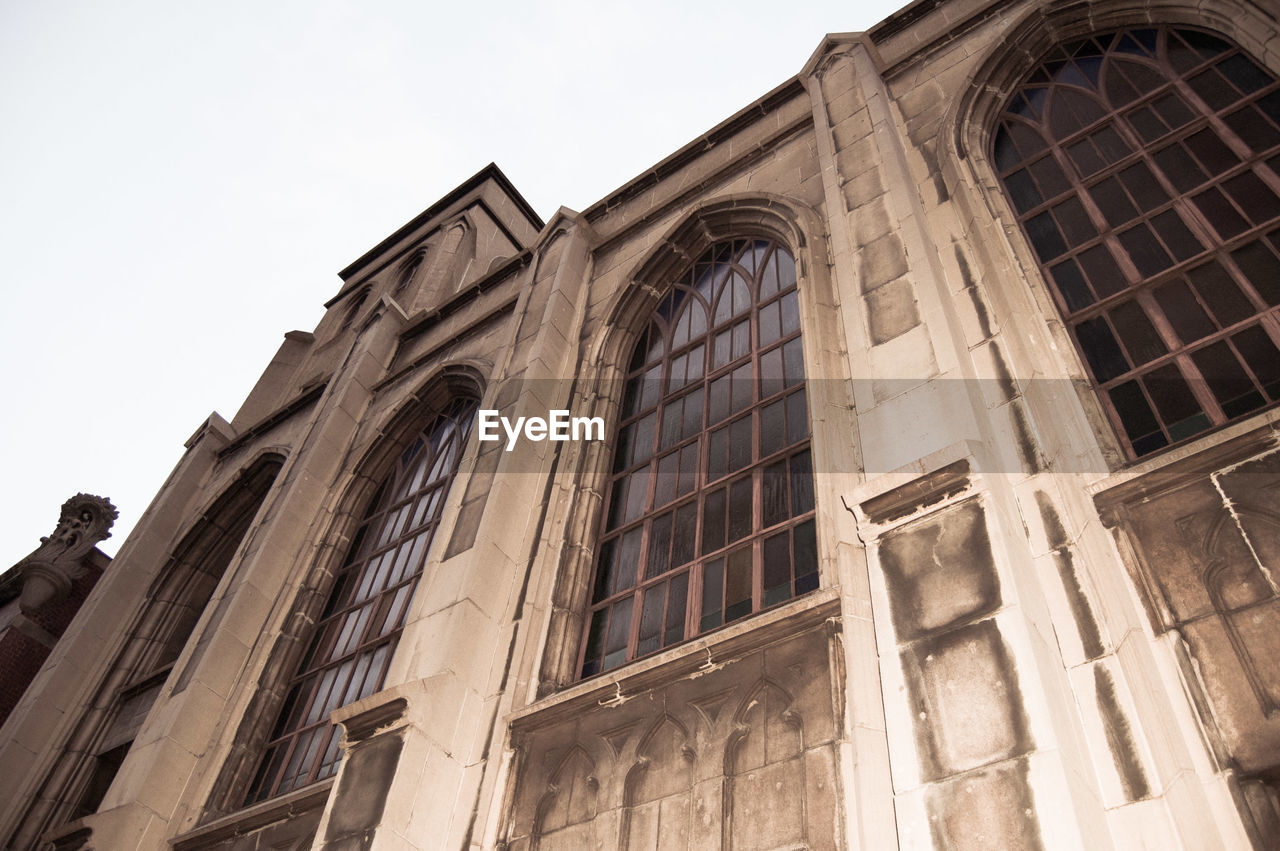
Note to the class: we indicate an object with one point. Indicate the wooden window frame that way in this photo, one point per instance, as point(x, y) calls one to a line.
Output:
point(762, 369)
point(1154, 399)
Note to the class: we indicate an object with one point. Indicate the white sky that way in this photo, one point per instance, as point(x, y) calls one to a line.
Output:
point(180, 183)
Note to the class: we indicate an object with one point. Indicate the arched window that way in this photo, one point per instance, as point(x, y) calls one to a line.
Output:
point(351, 646)
point(1144, 166)
point(409, 271)
point(709, 515)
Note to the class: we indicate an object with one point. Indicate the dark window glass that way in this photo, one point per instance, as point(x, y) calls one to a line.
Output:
point(757, 474)
point(351, 645)
point(1231, 385)
point(1101, 349)
point(1071, 285)
point(1217, 210)
point(1261, 270)
point(1179, 167)
point(1169, 137)
point(1185, 313)
point(1133, 327)
point(1261, 356)
point(1253, 128)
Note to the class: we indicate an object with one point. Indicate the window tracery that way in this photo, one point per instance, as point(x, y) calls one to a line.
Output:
point(710, 510)
point(351, 646)
point(1144, 168)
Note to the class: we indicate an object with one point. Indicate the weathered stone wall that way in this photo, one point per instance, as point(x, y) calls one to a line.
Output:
point(983, 666)
point(737, 754)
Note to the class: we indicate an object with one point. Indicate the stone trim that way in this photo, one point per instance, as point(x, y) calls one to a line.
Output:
point(691, 659)
point(366, 718)
point(1187, 464)
point(284, 807)
point(930, 488)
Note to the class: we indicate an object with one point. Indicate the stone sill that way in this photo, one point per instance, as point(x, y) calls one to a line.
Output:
point(255, 817)
point(692, 659)
point(1221, 448)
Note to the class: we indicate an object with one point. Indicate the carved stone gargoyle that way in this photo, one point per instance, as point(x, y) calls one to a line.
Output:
point(51, 569)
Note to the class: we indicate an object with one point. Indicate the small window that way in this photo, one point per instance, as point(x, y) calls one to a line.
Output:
point(357, 301)
point(409, 272)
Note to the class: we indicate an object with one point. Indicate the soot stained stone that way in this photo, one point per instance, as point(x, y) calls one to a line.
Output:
point(360, 797)
point(940, 571)
point(966, 703)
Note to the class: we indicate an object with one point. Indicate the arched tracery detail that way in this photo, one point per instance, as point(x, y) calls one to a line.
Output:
point(1245, 596)
point(1144, 168)
point(709, 515)
point(569, 805)
point(351, 646)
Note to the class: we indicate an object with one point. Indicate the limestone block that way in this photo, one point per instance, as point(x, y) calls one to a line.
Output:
point(881, 261)
point(940, 571)
point(966, 699)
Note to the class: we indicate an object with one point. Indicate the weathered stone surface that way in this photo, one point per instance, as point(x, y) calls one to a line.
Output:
point(940, 571)
point(986, 809)
point(891, 311)
point(882, 261)
point(969, 709)
point(360, 795)
point(741, 757)
point(1210, 571)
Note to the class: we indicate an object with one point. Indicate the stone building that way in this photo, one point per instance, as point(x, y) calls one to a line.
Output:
point(937, 505)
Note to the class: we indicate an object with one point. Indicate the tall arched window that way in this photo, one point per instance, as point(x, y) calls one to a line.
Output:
point(351, 647)
point(1144, 166)
point(709, 515)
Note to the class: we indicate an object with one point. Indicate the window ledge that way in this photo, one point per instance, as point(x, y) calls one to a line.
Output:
point(257, 816)
point(1220, 448)
point(696, 657)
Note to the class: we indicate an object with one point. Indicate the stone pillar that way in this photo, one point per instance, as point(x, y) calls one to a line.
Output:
point(188, 752)
point(450, 665)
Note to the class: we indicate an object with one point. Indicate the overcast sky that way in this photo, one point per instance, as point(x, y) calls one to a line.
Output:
point(181, 182)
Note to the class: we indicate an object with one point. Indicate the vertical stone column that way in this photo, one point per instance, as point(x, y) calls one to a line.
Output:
point(189, 737)
point(983, 745)
point(450, 668)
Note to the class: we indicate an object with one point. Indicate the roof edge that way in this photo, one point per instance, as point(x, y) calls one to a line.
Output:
point(758, 108)
point(489, 172)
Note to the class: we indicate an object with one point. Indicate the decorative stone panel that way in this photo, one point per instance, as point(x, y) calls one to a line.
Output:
point(739, 753)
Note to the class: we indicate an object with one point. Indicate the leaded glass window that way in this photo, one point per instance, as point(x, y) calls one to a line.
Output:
point(1144, 166)
point(709, 515)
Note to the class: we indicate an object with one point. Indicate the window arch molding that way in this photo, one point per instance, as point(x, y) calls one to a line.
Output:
point(1019, 50)
point(332, 539)
point(796, 227)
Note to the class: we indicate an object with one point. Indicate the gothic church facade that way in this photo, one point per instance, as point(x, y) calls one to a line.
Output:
point(938, 505)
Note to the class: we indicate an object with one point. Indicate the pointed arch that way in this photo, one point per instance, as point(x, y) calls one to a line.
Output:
point(1244, 596)
point(658, 791)
point(346, 631)
point(158, 633)
point(764, 768)
point(568, 807)
point(709, 513)
point(1140, 161)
